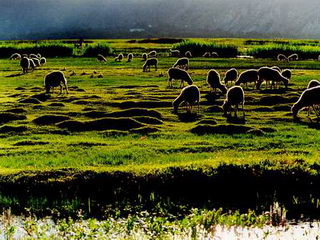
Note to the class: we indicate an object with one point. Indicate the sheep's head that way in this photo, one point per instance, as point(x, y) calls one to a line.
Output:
point(295, 109)
point(226, 106)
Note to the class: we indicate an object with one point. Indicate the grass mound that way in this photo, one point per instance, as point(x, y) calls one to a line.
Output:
point(145, 104)
point(56, 104)
point(50, 119)
point(220, 129)
point(122, 124)
point(41, 97)
point(16, 129)
point(134, 112)
point(30, 143)
point(30, 100)
point(8, 117)
point(16, 110)
point(207, 121)
point(144, 130)
point(148, 120)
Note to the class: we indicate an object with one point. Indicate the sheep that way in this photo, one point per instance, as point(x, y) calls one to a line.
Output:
point(230, 76)
point(282, 58)
point(293, 57)
point(36, 62)
point(213, 79)
point(119, 58)
point(235, 97)
point(182, 63)
point(144, 57)
point(129, 57)
point(55, 79)
point(276, 68)
point(43, 61)
point(25, 64)
point(32, 64)
point(214, 54)
point(308, 99)
point(15, 56)
point(150, 62)
point(190, 95)
point(32, 55)
point(188, 54)
point(177, 73)
point(174, 53)
point(152, 53)
point(39, 55)
point(248, 76)
point(313, 83)
point(206, 54)
point(101, 58)
point(269, 74)
point(286, 73)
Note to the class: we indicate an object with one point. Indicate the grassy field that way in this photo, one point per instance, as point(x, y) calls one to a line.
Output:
point(118, 119)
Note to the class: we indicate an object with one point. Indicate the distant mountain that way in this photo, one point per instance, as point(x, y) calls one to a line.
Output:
point(34, 19)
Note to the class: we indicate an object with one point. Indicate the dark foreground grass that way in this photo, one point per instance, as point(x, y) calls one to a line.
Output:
point(48, 157)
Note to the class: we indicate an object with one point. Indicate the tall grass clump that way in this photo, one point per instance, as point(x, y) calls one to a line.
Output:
point(93, 51)
point(272, 51)
point(199, 48)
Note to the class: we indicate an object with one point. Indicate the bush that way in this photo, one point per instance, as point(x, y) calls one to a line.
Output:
point(93, 51)
point(199, 48)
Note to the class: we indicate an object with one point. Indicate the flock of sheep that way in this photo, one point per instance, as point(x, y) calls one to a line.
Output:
point(235, 96)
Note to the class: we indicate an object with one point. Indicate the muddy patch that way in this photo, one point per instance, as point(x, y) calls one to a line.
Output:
point(50, 119)
point(220, 129)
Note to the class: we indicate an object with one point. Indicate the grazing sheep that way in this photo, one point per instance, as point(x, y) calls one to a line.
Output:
point(43, 61)
point(182, 63)
point(36, 62)
point(150, 62)
point(206, 54)
point(293, 57)
point(231, 75)
point(174, 53)
point(188, 54)
point(144, 57)
point(235, 97)
point(25, 64)
point(248, 76)
point(190, 95)
point(313, 83)
point(177, 73)
point(32, 55)
point(152, 53)
point(214, 54)
point(129, 57)
point(269, 74)
point(276, 68)
point(282, 58)
point(286, 73)
point(39, 55)
point(308, 99)
point(32, 64)
point(101, 58)
point(15, 56)
point(213, 79)
point(119, 58)
point(55, 79)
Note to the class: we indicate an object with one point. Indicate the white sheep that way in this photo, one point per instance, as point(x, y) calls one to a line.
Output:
point(269, 74)
point(248, 76)
point(214, 54)
point(32, 55)
point(129, 57)
point(174, 53)
point(144, 57)
point(313, 83)
point(308, 99)
point(43, 61)
point(177, 73)
point(282, 58)
point(235, 97)
point(15, 56)
point(190, 95)
point(206, 54)
point(188, 54)
point(276, 68)
point(230, 76)
point(213, 79)
point(152, 53)
point(148, 63)
point(25, 64)
point(293, 57)
point(182, 63)
point(36, 62)
point(119, 58)
point(286, 73)
point(101, 58)
point(55, 79)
